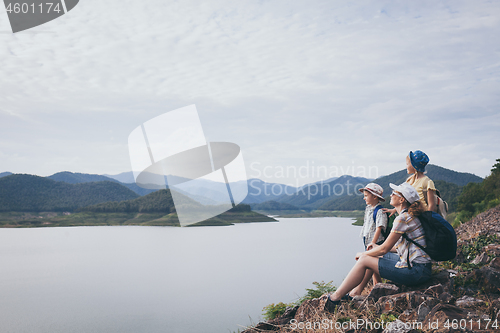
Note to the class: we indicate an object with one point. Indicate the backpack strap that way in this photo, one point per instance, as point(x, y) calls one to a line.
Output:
point(408, 239)
point(375, 211)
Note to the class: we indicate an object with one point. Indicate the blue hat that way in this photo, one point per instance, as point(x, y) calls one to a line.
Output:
point(419, 160)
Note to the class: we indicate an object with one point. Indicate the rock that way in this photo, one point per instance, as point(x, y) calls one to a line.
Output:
point(309, 308)
point(460, 258)
point(467, 302)
point(383, 289)
point(435, 290)
point(438, 316)
point(358, 300)
point(481, 259)
point(262, 327)
point(447, 298)
point(408, 315)
point(495, 263)
point(398, 302)
point(492, 249)
point(404, 301)
point(422, 311)
point(489, 279)
point(285, 317)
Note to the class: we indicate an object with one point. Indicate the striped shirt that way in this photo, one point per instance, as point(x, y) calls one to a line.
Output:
point(405, 223)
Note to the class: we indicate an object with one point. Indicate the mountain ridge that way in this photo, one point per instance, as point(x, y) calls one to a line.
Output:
point(21, 192)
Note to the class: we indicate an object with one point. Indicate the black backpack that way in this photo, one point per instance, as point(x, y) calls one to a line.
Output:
point(440, 237)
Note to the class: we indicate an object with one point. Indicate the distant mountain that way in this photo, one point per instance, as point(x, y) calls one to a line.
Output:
point(124, 177)
point(333, 194)
point(205, 192)
point(27, 193)
point(77, 178)
point(260, 191)
point(5, 174)
point(314, 195)
point(80, 178)
point(435, 172)
point(448, 182)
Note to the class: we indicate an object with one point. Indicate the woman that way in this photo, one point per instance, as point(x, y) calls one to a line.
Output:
point(407, 263)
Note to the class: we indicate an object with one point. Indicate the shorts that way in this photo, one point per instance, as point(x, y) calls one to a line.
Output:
point(419, 273)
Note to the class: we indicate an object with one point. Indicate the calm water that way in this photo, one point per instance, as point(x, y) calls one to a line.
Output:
point(164, 279)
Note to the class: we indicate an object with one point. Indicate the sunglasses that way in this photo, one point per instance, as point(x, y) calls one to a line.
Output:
point(396, 194)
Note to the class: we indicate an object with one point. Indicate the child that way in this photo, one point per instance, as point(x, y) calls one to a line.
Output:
point(415, 166)
point(372, 228)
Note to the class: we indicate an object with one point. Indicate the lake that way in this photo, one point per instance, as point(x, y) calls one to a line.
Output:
point(165, 279)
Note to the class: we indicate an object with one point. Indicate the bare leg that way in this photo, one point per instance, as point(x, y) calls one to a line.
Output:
point(356, 275)
point(359, 289)
point(376, 279)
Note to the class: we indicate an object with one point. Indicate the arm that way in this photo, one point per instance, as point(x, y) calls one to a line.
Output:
point(431, 200)
point(376, 236)
point(377, 251)
point(387, 210)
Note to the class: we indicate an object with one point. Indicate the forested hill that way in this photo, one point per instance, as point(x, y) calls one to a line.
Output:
point(30, 193)
point(448, 182)
point(77, 178)
point(156, 202)
point(434, 172)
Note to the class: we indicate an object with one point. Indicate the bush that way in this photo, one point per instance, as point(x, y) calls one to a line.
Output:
point(272, 311)
point(470, 251)
point(321, 288)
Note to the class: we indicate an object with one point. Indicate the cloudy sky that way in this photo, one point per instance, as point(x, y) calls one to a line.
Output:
point(346, 87)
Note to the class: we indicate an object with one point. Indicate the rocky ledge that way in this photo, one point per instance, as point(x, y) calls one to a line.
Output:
point(463, 295)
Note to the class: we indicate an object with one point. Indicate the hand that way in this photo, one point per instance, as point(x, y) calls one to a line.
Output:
point(371, 246)
point(359, 254)
point(387, 210)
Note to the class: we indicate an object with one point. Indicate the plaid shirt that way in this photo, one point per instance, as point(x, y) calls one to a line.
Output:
point(369, 226)
point(405, 223)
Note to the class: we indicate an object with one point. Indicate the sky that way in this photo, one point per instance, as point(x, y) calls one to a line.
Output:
point(309, 90)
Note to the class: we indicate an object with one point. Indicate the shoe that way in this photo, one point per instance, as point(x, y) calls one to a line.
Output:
point(347, 297)
point(330, 305)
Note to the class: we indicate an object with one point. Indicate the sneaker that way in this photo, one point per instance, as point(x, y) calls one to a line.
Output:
point(330, 305)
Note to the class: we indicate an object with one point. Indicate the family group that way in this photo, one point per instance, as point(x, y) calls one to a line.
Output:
point(396, 253)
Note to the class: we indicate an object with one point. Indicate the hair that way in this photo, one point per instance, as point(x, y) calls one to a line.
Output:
point(416, 209)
